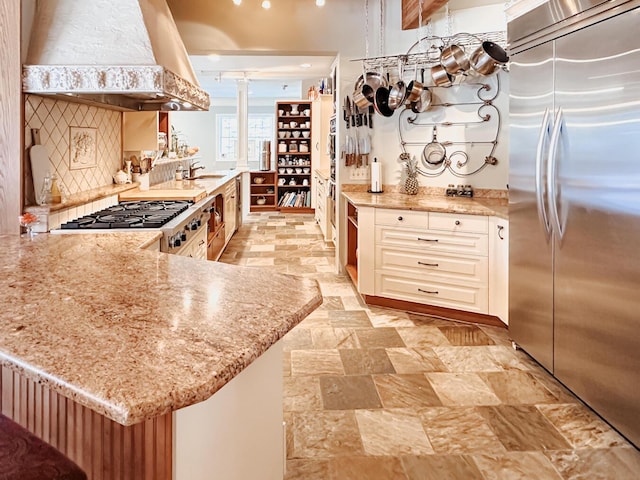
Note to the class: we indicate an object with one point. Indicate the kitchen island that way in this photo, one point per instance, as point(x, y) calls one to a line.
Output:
point(103, 344)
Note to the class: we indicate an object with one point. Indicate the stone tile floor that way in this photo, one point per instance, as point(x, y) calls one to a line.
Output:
point(372, 394)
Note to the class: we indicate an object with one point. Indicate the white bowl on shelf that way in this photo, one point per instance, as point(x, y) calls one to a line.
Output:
point(298, 170)
point(289, 171)
point(281, 171)
point(306, 134)
point(306, 170)
point(281, 134)
point(296, 133)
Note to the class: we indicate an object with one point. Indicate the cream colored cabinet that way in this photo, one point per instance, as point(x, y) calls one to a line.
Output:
point(197, 246)
point(499, 268)
point(321, 112)
point(140, 130)
point(230, 205)
point(432, 258)
point(321, 189)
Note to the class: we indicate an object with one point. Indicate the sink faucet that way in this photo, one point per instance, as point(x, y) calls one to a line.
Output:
point(193, 169)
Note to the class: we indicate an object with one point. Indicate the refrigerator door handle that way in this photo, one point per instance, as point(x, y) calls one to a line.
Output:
point(552, 172)
point(545, 130)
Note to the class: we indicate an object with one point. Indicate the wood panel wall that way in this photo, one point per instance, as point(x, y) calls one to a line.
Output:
point(411, 12)
point(11, 117)
point(104, 449)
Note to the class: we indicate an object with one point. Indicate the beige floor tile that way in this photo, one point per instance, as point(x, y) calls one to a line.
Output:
point(444, 368)
point(334, 338)
point(459, 430)
point(515, 387)
point(462, 389)
point(582, 427)
point(516, 466)
point(383, 317)
point(299, 338)
point(301, 394)
point(597, 464)
point(365, 468)
point(423, 337)
point(405, 391)
point(510, 359)
point(349, 392)
point(440, 467)
point(316, 362)
point(384, 337)
point(259, 262)
point(392, 432)
point(468, 359)
point(350, 319)
point(415, 360)
point(325, 434)
point(366, 361)
point(466, 335)
point(523, 428)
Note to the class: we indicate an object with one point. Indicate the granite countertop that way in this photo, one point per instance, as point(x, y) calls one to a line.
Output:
point(133, 334)
point(431, 203)
point(208, 181)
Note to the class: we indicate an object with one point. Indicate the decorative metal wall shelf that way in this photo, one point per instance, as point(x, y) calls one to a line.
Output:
point(486, 114)
point(422, 55)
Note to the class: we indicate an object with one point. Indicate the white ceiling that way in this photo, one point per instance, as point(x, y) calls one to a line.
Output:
point(270, 76)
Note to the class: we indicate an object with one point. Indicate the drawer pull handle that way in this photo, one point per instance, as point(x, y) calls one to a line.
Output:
point(202, 242)
point(428, 239)
point(400, 218)
point(434, 292)
point(457, 222)
point(500, 229)
point(428, 264)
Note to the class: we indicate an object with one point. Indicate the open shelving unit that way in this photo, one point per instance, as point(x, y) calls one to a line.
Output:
point(294, 166)
point(263, 193)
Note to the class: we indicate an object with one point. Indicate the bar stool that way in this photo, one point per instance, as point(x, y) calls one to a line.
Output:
point(23, 456)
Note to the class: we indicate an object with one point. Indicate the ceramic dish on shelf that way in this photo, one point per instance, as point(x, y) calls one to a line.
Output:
point(306, 170)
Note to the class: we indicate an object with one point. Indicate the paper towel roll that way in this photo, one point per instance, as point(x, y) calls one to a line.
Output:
point(376, 176)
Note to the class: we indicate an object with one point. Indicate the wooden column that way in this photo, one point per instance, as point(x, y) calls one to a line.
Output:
point(11, 118)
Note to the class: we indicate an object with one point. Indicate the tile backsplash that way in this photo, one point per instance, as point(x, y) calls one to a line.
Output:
point(53, 118)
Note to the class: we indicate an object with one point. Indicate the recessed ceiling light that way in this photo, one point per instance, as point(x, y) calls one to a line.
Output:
point(237, 2)
point(320, 3)
point(305, 65)
point(266, 4)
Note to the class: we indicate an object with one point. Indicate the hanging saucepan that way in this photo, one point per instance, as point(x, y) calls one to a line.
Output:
point(381, 102)
point(441, 78)
point(488, 57)
point(414, 89)
point(398, 91)
point(454, 59)
point(423, 102)
point(366, 86)
point(434, 153)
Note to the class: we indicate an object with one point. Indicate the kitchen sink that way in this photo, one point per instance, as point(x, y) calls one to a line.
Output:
point(208, 175)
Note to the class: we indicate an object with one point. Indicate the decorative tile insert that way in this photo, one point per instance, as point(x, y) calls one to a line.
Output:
point(53, 118)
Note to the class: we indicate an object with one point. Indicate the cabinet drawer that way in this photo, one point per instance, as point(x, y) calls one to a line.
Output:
point(402, 218)
point(467, 270)
point(440, 294)
point(458, 223)
point(436, 241)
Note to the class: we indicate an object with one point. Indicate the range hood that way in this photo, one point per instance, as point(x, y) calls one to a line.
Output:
point(121, 54)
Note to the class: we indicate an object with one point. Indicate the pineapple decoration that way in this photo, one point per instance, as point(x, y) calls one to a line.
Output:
point(411, 184)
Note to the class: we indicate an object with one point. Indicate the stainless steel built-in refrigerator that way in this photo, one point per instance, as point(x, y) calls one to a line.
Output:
point(574, 200)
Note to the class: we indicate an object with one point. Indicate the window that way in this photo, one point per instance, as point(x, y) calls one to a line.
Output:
point(260, 128)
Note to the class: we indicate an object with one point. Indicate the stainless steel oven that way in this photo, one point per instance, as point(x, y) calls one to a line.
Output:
point(184, 225)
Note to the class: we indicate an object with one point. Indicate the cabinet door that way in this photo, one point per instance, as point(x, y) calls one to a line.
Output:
point(230, 204)
point(139, 131)
point(499, 268)
point(320, 114)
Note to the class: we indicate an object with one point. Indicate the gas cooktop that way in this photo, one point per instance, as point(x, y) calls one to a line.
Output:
point(140, 214)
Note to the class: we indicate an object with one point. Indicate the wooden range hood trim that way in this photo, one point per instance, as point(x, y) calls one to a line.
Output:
point(410, 12)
